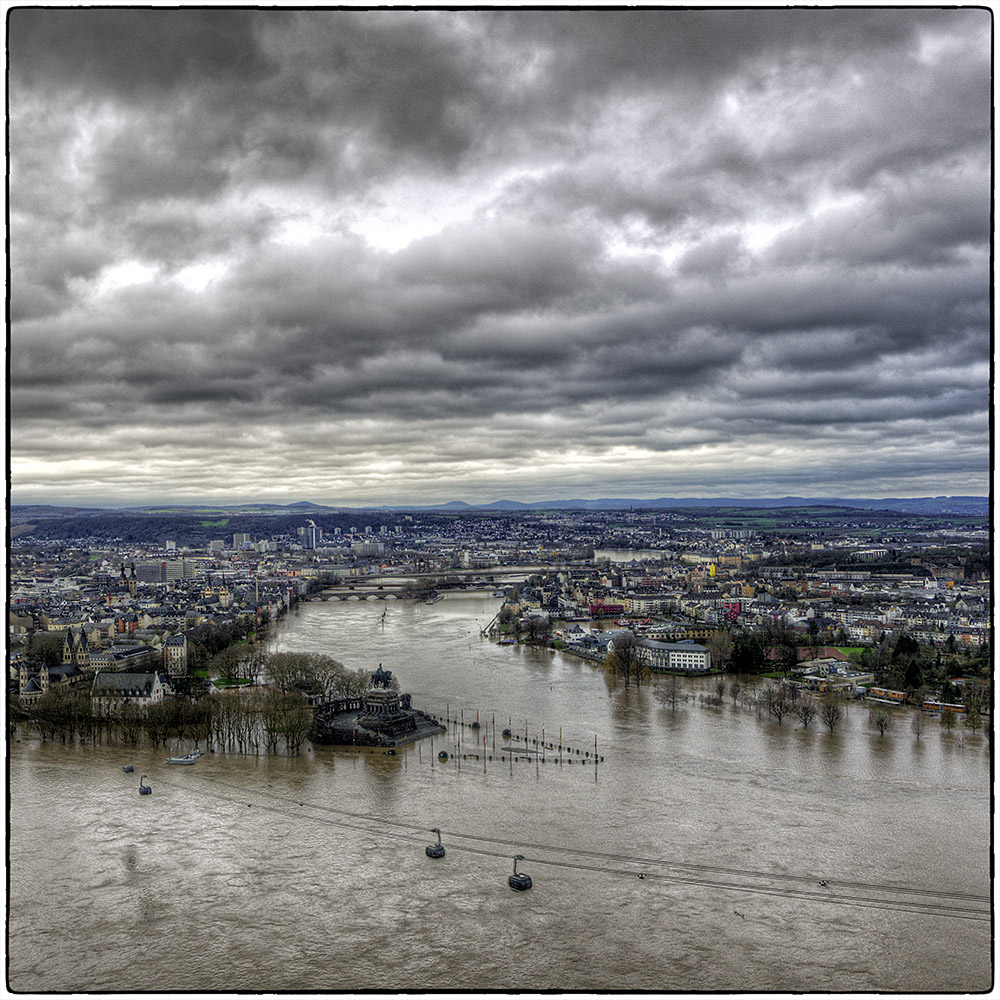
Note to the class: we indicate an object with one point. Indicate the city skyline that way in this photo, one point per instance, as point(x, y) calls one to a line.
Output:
point(365, 257)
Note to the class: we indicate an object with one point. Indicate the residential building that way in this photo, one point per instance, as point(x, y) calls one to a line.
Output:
point(112, 690)
point(175, 653)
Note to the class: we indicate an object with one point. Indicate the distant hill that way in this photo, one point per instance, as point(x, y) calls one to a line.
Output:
point(960, 505)
point(26, 513)
point(967, 506)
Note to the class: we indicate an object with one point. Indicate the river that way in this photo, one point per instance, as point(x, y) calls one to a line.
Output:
point(309, 872)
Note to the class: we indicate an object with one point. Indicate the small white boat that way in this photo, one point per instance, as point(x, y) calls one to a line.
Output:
point(186, 758)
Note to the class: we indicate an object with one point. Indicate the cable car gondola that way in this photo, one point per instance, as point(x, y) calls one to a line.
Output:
point(519, 880)
point(435, 850)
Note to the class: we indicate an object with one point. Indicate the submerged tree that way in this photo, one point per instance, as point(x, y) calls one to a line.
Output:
point(626, 658)
point(806, 711)
point(53, 713)
point(829, 712)
point(670, 692)
point(880, 717)
point(973, 719)
point(777, 702)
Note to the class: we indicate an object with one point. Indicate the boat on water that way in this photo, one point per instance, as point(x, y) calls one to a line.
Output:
point(434, 598)
point(184, 758)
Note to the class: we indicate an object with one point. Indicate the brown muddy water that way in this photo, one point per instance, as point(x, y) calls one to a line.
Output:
point(309, 873)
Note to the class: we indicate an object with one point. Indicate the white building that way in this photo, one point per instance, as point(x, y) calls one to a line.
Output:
point(685, 657)
point(682, 657)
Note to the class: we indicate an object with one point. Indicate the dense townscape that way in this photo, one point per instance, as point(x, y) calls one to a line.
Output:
point(141, 609)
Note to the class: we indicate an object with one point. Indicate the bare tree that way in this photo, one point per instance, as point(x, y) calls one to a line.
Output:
point(919, 724)
point(880, 717)
point(129, 719)
point(286, 671)
point(201, 720)
point(296, 722)
point(806, 711)
point(157, 723)
point(270, 720)
point(251, 662)
point(538, 628)
point(734, 690)
point(670, 693)
point(777, 702)
point(625, 658)
point(783, 650)
point(720, 645)
point(355, 683)
point(227, 662)
point(328, 673)
point(829, 712)
point(641, 671)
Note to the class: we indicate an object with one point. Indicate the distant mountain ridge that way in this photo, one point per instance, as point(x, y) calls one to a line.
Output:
point(971, 506)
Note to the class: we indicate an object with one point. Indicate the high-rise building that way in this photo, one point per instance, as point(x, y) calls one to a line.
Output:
point(311, 536)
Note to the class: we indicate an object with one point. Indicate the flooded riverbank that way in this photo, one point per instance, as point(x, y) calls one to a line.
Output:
point(309, 872)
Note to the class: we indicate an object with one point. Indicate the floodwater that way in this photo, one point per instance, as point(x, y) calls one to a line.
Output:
point(309, 872)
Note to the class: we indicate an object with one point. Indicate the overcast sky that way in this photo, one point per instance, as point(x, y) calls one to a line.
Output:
point(395, 256)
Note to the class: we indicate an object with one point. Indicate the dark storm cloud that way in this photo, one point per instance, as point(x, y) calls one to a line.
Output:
point(613, 49)
point(132, 53)
point(489, 248)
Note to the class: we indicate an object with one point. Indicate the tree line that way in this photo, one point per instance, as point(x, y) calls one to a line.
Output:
point(272, 716)
point(780, 700)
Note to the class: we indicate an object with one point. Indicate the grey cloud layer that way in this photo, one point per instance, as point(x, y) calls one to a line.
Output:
point(751, 244)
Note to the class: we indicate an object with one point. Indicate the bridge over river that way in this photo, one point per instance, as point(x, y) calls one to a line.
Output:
point(392, 588)
point(363, 592)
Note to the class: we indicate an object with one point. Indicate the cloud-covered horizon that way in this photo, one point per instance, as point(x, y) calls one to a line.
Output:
point(415, 256)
